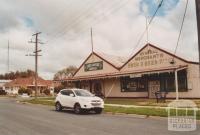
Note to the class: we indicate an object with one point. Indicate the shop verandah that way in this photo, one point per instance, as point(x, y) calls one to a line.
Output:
point(134, 85)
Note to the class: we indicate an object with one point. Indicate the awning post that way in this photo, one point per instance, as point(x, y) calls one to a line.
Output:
point(176, 84)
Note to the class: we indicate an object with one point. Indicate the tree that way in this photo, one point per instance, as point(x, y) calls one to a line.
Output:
point(17, 74)
point(64, 73)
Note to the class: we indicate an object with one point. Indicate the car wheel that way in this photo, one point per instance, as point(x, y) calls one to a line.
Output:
point(77, 109)
point(58, 106)
point(98, 111)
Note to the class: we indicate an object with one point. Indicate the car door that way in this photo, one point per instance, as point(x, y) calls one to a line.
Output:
point(65, 98)
point(72, 99)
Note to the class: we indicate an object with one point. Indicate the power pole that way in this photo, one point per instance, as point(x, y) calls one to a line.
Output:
point(8, 61)
point(198, 27)
point(36, 59)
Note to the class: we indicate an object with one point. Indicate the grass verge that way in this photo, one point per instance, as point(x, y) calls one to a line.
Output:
point(148, 111)
point(139, 111)
point(142, 102)
point(42, 101)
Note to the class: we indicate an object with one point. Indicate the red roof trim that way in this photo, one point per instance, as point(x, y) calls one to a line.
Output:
point(160, 50)
point(100, 58)
point(106, 61)
point(119, 68)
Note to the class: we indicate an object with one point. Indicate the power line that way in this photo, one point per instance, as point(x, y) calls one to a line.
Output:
point(96, 20)
point(180, 32)
point(71, 16)
point(147, 27)
point(76, 19)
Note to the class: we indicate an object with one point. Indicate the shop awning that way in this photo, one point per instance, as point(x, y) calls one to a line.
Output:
point(132, 74)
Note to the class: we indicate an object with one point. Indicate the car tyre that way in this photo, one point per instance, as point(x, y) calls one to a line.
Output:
point(58, 107)
point(98, 111)
point(77, 109)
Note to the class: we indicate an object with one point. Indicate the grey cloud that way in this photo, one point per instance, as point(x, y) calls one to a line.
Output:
point(117, 26)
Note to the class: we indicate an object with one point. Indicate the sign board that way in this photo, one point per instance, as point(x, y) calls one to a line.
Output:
point(148, 58)
point(135, 75)
point(94, 66)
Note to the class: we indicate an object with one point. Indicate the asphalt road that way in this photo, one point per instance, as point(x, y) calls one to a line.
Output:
point(20, 119)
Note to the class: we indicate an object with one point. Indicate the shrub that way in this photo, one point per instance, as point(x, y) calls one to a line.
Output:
point(29, 91)
point(57, 89)
point(24, 90)
point(2, 92)
point(47, 92)
point(21, 91)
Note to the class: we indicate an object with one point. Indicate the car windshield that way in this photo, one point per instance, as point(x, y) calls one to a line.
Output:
point(83, 93)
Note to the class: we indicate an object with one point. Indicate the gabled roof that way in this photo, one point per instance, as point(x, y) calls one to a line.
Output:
point(162, 50)
point(117, 61)
point(114, 61)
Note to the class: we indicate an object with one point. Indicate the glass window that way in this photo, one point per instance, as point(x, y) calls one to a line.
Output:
point(182, 80)
point(83, 93)
point(168, 81)
point(133, 84)
point(66, 92)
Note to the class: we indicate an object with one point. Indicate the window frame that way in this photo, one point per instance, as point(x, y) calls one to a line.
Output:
point(125, 80)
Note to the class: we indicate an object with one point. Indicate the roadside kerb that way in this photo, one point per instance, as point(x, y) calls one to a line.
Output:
point(135, 106)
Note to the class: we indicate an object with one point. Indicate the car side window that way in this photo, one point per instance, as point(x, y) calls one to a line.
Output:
point(71, 92)
point(65, 92)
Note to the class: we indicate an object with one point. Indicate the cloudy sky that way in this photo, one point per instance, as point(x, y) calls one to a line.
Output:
point(65, 26)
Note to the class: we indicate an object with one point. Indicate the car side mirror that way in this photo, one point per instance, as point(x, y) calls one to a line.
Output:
point(71, 95)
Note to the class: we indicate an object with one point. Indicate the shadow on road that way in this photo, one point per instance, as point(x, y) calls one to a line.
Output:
point(72, 112)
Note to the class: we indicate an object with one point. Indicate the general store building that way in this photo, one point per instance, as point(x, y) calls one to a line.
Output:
point(151, 69)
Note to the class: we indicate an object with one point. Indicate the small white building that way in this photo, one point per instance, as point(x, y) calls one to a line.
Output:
point(13, 86)
point(2, 83)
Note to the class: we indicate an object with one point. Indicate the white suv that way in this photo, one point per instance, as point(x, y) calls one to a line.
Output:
point(78, 99)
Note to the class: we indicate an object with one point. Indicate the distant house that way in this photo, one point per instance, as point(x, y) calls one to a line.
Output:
point(12, 87)
point(2, 83)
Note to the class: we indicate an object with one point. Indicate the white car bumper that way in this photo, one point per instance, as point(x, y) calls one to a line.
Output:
point(92, 105)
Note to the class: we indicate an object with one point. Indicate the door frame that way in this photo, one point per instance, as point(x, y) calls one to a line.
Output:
point(149, 90)
point(100, 83)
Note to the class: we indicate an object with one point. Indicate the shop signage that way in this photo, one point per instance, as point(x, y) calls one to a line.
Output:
point(94, 66)
point(148, 58)
point(135, 75)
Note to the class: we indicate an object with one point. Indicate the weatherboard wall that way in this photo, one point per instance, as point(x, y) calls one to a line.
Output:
point(150, 58)
point(112, 88)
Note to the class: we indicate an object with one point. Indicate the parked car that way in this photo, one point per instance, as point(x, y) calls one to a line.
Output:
point(25, 95)
point(79, 100)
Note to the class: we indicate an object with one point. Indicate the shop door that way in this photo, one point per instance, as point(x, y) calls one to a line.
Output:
point(98, 89)
point(154, 86)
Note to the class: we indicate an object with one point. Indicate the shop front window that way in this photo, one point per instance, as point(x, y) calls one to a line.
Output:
point(182, 80)
point(133, 84)
point(168, 81)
